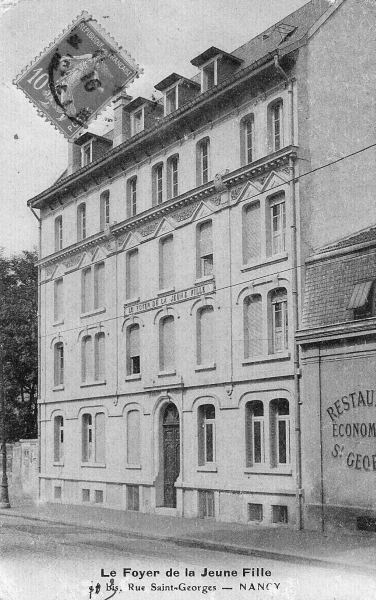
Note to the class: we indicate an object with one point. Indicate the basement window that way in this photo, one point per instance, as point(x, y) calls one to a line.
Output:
point(255, 512)
point(279, 514)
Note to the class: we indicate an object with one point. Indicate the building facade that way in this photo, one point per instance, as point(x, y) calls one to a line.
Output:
point(171, 281)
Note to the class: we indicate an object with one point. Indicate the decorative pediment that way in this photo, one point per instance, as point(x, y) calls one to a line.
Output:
point(251, 189)
point(164, 227)
point(274, 181)
point(71, 262)
point(130, 241)
point(201, 212)
point(149, 229)
point(185, 213)
point(98, 253)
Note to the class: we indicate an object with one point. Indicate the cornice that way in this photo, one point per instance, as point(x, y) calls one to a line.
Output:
point(338, 331)
point(176, 207)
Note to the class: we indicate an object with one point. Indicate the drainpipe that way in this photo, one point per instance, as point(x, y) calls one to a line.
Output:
point(295, 299)
point(39, 343)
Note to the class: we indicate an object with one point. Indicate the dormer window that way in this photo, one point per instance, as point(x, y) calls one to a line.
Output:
point(86, 153)
point(171, 100)
point(363, 300)
point(209, 76)
point(137, 121)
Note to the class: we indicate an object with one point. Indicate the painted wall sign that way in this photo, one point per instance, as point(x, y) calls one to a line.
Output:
point(350, 433)
point(168, 299)
point(77, 76)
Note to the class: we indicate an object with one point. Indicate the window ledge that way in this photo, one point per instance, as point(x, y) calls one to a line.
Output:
point(134, 377)
point(265, 470)
point(91, 383)
point(131, 300)
point(165, 291)
point(134, 467)
point(58, 463)
point(208, 367)
point(264, 261)
point(93, 464)
point(200, 280)
point(209, 468)
point(166, 373)
point(58, 388)
point(266, 358)
point(57, 323)
point(90, 313)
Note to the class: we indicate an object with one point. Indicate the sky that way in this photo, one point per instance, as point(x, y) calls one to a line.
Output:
point(161, 35)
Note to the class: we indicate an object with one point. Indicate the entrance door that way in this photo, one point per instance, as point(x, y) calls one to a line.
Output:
point(171, 454)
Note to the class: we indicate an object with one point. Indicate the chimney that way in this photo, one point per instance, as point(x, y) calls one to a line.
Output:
point(122, 121)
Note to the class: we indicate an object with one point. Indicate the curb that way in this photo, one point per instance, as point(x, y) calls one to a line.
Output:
point(202, 544)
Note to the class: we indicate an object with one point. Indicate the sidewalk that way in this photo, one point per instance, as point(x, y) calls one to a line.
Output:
point(355, 551)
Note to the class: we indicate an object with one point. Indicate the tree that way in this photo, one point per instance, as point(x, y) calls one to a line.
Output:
point(19, 338)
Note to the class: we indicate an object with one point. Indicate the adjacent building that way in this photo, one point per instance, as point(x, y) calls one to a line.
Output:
point(171, 277)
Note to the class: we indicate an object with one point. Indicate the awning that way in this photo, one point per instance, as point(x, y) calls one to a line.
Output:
point(360, 294)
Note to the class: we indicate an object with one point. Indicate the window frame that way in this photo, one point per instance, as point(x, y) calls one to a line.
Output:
point(86, 159)
point(203, 161)
point(204, 76)
point(163, 367)
point(278, 296)
point(130, 285)
point(104, 201)
point(201, 258)
point(99, 357)
point(132, 196)
point(173, 176)
point(134, 129)
point(204, 422)
point(174, 89)
point(208, 308)
point(58, 233)
point(59, 300)
point(58, 425)
point(59, 364)
point(90, 438)
point(278, 239)
point(81, 222)
point(276, 116)
point(130, 370)
point(99, 291)
point(253, 406)
point(163, 284)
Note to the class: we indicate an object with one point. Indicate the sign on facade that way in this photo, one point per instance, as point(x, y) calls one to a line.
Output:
point(77, 76)
point(168, 299)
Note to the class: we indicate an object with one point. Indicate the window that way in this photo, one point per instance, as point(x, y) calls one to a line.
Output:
point(209, 76)
point(253, 343)
point(204, 249)
point(85, 495)
point(278, 224)
point(58, 233)
point(279, 320)
point(59, 364)
point(86, 359)
point(280, 431)
point(132, 274)
point(363, 300)
point(166, 263)
point(137, 120)
point(255, 440)
point(86, 153)
point(157, 184)
point(255, 512)
point(98, 496)
point(205, 336)
point(132, 197)
point(275, 124)
point(87, 291)
point(133, 497)
point(206, 434)
point(171, 100)
point(279, 514)
point(167, 344)
point(173, 177)
point(133, 350)
point(99, 356)
point(93, 438)
point(104, 210)
point(247, 140)
point(133, 438)
point(58, 300)
point(202, 161)
point(58, 438)
point(81, 221)
point(57, 492)
point(206, 504)
point(251, 233)
point(99, 286)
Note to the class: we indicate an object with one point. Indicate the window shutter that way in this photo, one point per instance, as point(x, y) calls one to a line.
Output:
point(133, 437)
point(253, 327)
point(206, 239)
point(100, 356)
point(134, 341)
point(87, 350)
point(167, 346)
point(100, 438)
point(99, 285)
point(132, 274)
point(86, 290)
point(251, 233)
point(166, 263)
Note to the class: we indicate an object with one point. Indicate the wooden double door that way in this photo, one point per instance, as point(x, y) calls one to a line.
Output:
point(171, 454)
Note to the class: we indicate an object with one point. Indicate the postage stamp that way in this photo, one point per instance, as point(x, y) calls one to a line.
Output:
point(73, 79)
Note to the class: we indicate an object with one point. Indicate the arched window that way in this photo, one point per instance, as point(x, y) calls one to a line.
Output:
point(173, 176)
point(157, 184)
point(255, 434)
point(247, 139)
point(206, 434)
point(203, 161)
point(87, 359)
point(99, 285)
point(132, 197)
point(133, 350)
point(58, 438)
point(253, 342)
point(58, 300)
point(93, 438)
point(81, 221)
point(275, 125)
point(133, 438)
point(278, 320)
point(99, 356)
point(251, 233)
point(58, 233)
point(205, 336)
point(204, 245)
point(58, 364)
point(166, 263)
point(104, 209)
point(167, 344)
point(276, 233)
point(280, 431)
point(87, 438)
point(132, 290)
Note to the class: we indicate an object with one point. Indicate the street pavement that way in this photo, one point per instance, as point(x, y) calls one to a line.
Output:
point(41, 560)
